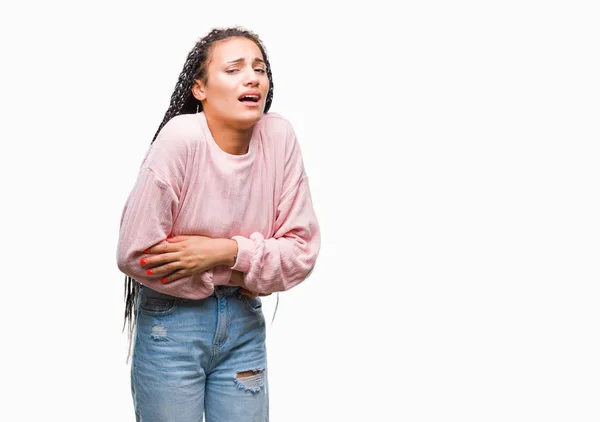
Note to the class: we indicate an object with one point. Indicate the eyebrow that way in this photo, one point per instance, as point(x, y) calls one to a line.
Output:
point(241, 60)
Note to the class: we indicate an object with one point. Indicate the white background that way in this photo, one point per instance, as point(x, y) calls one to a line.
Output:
point(453, 154)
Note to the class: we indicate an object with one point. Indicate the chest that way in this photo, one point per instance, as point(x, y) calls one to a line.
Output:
point(226, 200)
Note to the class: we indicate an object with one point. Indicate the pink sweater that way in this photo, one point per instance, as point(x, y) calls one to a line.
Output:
point(188, 185)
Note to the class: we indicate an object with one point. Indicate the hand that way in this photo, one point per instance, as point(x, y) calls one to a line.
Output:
point(181, 256)
point(237, 278)
point(252, 294)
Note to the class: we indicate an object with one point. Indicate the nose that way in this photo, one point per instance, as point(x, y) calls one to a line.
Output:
point(251, 78)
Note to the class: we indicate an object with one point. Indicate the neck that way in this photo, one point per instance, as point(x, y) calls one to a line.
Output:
point(232, 140)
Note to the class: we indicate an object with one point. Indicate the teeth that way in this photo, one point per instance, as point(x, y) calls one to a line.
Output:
point(250, 97)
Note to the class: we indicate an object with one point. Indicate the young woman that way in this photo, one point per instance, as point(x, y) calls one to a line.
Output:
point(220, 214)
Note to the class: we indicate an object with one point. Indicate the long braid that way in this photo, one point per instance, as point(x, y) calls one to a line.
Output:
point(182, 93)
point(183, 102)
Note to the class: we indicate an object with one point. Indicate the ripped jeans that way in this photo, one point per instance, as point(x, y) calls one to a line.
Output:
point(195, 357)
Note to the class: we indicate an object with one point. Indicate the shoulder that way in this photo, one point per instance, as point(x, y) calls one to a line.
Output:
point(273, 121)
point(276, 129)
point(174, 145)
point(181, 130)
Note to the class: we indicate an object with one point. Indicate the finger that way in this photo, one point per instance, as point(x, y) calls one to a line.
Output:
point(166, 247)
point(165, 269)
point(175, 239)
point(154, 248)
point(173, 277)
point(158, 260)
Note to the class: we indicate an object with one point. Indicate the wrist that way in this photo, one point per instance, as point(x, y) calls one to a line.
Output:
point(227, 252)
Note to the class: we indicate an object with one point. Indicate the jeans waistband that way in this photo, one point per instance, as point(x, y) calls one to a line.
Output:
point(219, 291)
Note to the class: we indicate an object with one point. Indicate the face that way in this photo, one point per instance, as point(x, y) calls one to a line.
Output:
point(237, 84)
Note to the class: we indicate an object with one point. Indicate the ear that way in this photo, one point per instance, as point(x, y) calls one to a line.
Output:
point(198, 90)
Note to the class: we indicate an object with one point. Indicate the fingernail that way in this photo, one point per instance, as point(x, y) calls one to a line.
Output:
point(146, 250)
point(143, 261)
point(164, 280)
point(149, 272)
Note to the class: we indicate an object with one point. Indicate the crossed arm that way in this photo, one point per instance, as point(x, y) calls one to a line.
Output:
point(181, 256)
point(189, 266)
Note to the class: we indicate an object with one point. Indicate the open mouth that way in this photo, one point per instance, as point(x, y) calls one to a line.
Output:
point(252, 98)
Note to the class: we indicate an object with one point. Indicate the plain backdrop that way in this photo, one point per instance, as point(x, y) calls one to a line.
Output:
point(453, 154)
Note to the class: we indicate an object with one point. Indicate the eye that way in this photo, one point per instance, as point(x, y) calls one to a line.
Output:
point(231, 70)
point(260, 70)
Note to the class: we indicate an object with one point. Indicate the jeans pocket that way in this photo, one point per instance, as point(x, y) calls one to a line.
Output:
point(157, 306)
point(254, 304)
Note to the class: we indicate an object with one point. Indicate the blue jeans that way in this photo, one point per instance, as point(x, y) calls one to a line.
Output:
point(195, 357)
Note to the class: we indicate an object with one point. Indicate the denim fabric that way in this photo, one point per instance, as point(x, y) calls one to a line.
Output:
point(189, 354)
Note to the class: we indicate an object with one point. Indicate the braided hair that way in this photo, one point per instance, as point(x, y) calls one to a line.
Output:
point(183, 102)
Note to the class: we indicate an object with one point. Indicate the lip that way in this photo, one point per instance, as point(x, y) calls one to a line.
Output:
point(250, 104)
point(253, 92)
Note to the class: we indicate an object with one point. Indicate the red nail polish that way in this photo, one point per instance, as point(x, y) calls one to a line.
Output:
point(143, 262)
point(149, 272)
point(146, 250)
point(164, 280)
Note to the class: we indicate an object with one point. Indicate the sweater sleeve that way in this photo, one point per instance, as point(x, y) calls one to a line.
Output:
point(286, 259)
point(149, 213)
